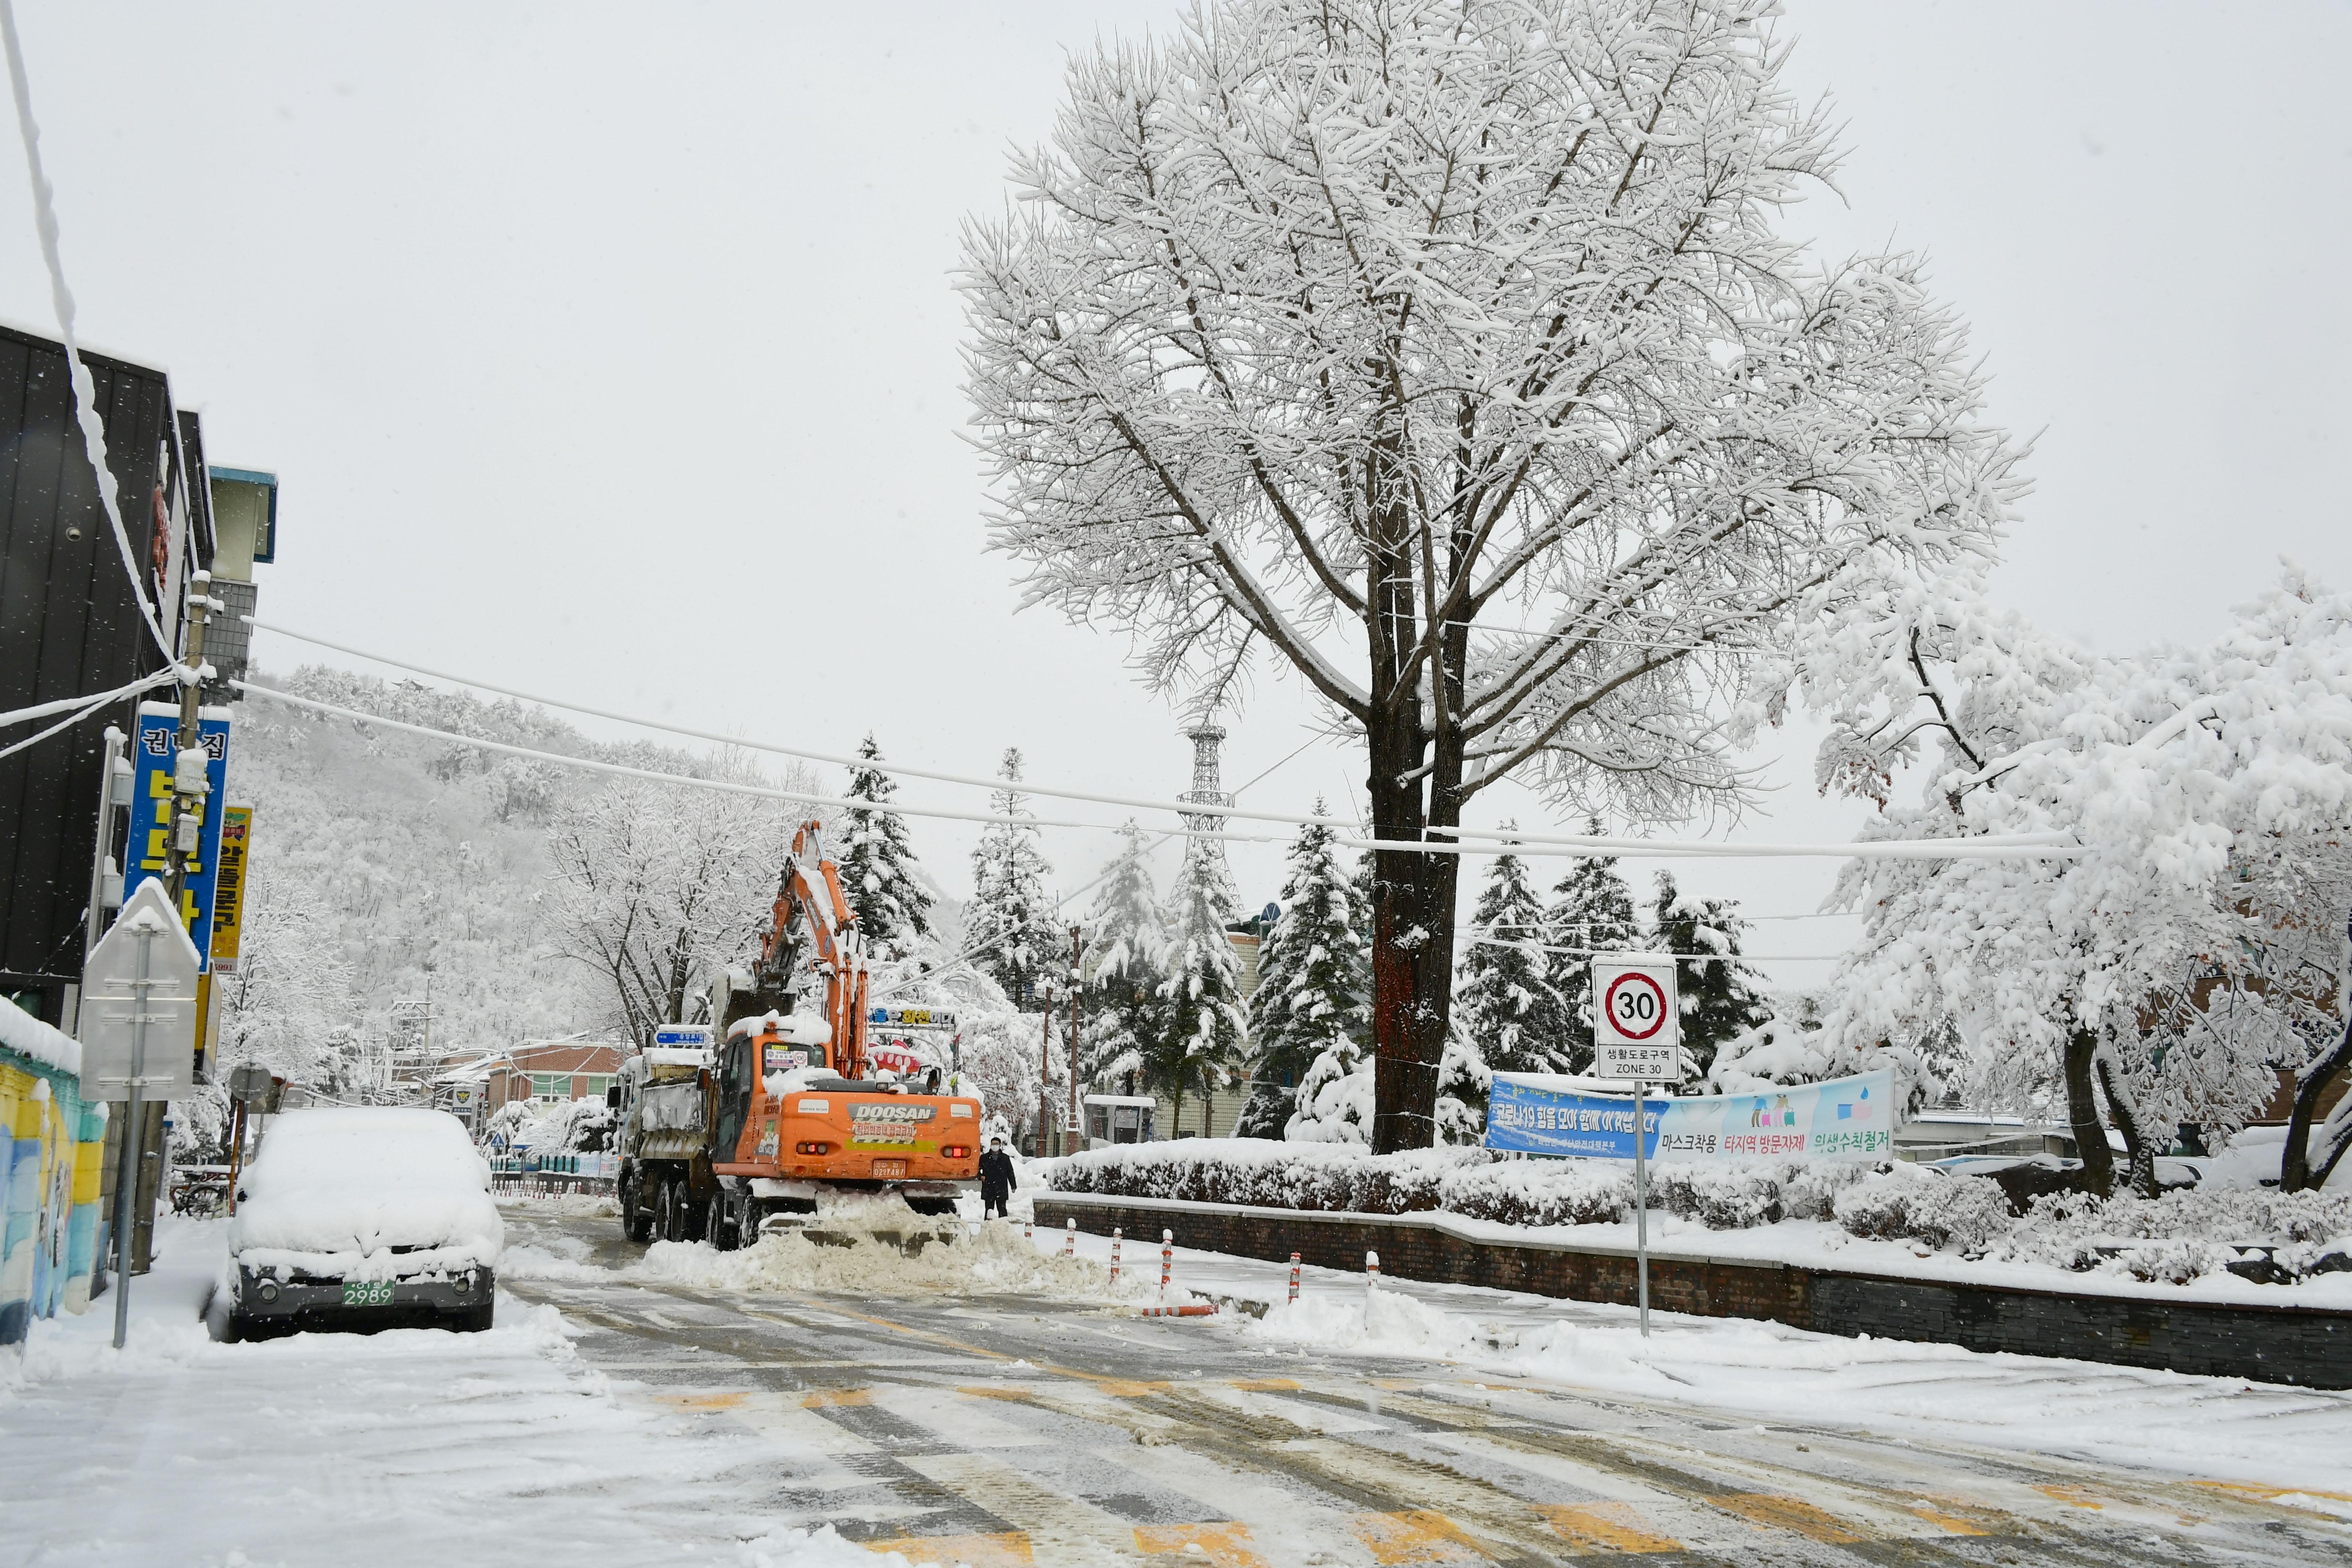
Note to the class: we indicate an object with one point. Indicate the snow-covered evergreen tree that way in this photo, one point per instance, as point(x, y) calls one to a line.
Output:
point(1314, 981)
point(1122, 1012)
point(1592, 909)
point(1509, 1006)
point(1011, 921)
point(1721, 1000)
point(1200, 1047)
point(878, 864)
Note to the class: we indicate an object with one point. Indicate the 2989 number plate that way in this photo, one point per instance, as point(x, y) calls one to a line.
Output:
point(367, 1292)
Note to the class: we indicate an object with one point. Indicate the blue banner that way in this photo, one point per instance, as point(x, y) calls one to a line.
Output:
point(153, 753)
point(1842, 1118)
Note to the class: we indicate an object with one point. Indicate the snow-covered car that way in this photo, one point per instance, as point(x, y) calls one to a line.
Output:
point(364, 1218)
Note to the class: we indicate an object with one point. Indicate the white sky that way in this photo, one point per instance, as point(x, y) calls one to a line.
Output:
point(614, 352)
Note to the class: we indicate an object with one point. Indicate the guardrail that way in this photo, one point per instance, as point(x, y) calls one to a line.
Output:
point(542, 1176)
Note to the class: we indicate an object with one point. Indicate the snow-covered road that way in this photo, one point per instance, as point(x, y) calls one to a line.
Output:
point(685, 1405)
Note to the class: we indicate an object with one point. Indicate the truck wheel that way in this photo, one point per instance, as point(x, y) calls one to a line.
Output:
point(635, 1223)
point(691, 1213)
point(717, 1222)
point(747, 1222)
point(669, 1211)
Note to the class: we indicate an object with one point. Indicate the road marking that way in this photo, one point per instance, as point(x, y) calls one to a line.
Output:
point(1265, 1384)
point(703, 1401)
point(1062, 1528)
point(1224, 1544)
point(1419, 1535)
point(1603, 1527)
point(821, 1398)
point(1934, 1512)
point(996, 1391)
point(2073, 1497)
point(1008, 1549)
point(1776, 1511)
point(1129, 1388)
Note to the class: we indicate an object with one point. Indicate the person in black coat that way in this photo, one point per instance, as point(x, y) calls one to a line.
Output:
point(996, 1181)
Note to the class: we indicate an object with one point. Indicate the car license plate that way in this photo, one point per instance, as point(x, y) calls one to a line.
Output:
point(367, 1292)
point(889, 1168)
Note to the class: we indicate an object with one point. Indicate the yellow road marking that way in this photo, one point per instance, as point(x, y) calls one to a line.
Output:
point(996, 1391)
point(1775, 1511)
point(822, 1397)
point(1266, 1384)
point(1421, 1535)
point(704, 1401)
point(2072, 1497)
point(1222, 1544)
point(1008, 1549)
point(2268, 1492)
point(1603, 1527)
point(1950, 1522)
point(1128, 1388)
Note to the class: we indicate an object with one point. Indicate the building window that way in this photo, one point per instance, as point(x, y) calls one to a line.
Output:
point(550, 1086)
point(597, 1082)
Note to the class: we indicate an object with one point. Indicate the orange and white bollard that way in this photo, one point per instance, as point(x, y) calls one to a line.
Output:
point(1167, 1261)
point(1114, 1255)
point(1294, 1278)
point(1371, 1270)
point(1070, 1240)
point(1028, 1229)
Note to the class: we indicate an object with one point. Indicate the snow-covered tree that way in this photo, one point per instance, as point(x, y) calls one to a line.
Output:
point(659, 887)
point(1122, 1013)
point(1719, 999)
point(1509, 1005)
point(1203, 1022)
point(1313, 982)
point(878, 864)
point(1452, 357)
point(1010, 924)
point(1592, 910)
point(2188, 932)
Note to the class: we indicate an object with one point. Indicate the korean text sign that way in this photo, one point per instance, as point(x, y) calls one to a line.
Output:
point(1842, 1118)
point(154, 752)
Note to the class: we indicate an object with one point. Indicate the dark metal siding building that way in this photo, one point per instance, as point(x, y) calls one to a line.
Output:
point(69, 624)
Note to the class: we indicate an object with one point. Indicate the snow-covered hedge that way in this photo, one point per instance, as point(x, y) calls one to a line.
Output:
point(2186, 1233)
point(1475, 1183)
point(1914, 1203)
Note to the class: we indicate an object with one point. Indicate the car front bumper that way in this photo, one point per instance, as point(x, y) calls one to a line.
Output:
point(262, 1298)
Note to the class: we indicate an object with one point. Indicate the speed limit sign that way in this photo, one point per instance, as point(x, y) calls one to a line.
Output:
point(1636, 1029)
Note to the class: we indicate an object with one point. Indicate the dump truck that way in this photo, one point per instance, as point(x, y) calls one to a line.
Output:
point(728, 1130)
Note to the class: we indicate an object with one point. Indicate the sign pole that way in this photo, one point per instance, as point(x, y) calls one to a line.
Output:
point(1641, 1214)
point(126, 1181)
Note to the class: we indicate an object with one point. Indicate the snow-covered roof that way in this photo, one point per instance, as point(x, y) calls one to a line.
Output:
point(676, 1056)
point(28, 1037)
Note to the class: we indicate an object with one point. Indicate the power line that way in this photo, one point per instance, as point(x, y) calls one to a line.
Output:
point(1510, 841)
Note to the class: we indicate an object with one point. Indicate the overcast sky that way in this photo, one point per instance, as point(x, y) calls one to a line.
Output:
point(614, 352)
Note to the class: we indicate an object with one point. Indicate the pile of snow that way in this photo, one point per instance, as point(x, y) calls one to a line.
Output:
point(333, 1192)
point(570, 1127)
point(995, 1260)
point(28, 1037)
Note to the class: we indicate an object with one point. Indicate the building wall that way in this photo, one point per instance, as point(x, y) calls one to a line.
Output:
point(578, 1064)
point(50, 1165)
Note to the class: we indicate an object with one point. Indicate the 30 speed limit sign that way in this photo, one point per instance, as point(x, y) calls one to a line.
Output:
point(1637, 1032)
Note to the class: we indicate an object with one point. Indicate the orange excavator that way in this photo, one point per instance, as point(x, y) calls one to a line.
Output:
point(786, 1104)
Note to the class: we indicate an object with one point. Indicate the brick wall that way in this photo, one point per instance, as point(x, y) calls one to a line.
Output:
point(2304, 1345)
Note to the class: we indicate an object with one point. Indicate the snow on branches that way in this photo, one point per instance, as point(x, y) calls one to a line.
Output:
point(1451, 356)
point(2196, 939)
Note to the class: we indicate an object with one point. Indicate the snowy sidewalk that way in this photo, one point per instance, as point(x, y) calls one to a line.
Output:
point(2286, 1441)
point(410, 1447)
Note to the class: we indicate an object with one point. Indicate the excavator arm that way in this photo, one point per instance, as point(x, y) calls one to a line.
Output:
point(812, 933)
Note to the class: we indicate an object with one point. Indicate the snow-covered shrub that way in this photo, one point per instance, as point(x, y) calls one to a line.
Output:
point(2184, 1233)
point(1540, 1192)
point(1809, 1189)
point(1911, 1201)
point(1721, 1197)
point(1267, 1175)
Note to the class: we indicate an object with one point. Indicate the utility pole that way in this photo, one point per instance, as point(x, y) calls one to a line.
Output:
point(1073, 1124)
point(190, 783)
point(1046, 1073)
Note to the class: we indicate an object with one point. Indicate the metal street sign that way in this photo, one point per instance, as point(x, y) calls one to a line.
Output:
point(249, 1084)
point(682, 1036)
point(1637, 1023)
point(139, 995)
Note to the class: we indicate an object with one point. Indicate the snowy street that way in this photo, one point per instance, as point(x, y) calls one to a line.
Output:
point(631, 1408)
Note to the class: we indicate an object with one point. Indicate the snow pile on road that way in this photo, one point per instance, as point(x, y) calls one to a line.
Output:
point(334, 1191)
point(995, 1261)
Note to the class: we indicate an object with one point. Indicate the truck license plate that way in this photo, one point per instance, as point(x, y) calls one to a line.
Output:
point(367, 1292)
point(889, 1168)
